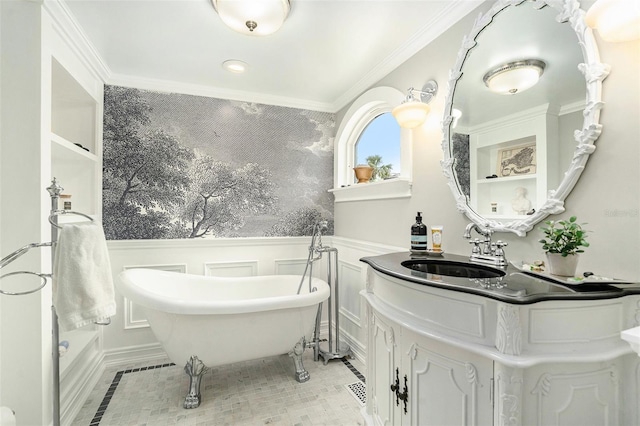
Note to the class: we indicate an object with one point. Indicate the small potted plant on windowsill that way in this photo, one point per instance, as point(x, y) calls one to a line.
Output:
point(363, 173)
point(562, 244)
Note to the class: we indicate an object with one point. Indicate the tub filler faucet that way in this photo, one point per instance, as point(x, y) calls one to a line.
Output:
point(485, 250)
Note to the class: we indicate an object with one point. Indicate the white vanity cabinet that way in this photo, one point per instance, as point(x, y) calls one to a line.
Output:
point(474, 360)
point(433, 384)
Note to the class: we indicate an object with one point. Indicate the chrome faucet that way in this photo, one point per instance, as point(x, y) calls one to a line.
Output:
point(491, 252)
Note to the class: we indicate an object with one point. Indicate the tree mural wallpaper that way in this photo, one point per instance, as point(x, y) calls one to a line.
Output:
point(183, 166)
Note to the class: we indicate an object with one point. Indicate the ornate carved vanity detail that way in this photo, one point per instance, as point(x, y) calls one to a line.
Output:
point(516, 351)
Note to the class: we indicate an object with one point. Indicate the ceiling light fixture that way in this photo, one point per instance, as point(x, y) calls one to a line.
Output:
point(514, 77)
point(413, 111)
point(253, 17)
point(615, 20)
point(235, 66)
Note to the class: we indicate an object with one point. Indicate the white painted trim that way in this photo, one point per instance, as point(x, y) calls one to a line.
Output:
point(382, 190)
point(353, 317)
point(366, 246)
point(215, 92)
point(129, 307)
point(133, 354)
point(434, 27)
point(72, 34)
point(203, 243)
point(85, 378)
point(363, 110)
point(240, 265)
point(277, 263)
point(359, 350)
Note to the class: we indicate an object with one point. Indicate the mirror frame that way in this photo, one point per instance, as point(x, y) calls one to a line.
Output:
point(594, 72)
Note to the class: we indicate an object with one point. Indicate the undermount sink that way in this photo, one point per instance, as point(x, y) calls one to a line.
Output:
point(452, 268)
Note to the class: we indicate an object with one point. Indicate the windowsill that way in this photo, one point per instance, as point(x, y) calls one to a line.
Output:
point(383, 190)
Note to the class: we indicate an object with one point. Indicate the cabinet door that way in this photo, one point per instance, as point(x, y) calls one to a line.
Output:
point(579, 395)
point(447, 386)
point(381, 366)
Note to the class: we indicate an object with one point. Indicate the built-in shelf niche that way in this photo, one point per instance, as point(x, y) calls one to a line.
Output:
point(73, 109)
point(537, 127)
point(74, 121)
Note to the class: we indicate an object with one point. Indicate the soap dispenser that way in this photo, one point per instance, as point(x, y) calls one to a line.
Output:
point(419, 234)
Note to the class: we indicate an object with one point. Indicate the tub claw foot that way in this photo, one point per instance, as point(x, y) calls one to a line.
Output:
point(302, 375)
point(195, 369)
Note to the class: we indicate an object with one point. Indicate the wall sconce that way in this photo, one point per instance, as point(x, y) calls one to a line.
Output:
point(455, 115)
point(413, 111)
point(514, 77)
point(615, 20)
point(253, 17)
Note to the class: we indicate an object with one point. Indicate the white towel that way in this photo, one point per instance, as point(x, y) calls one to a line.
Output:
point(82, 283)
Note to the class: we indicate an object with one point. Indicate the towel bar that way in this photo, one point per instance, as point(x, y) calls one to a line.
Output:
point(55, 213)
point(33, 290)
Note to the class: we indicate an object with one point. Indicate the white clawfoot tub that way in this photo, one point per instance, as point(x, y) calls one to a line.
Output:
point(210, 321)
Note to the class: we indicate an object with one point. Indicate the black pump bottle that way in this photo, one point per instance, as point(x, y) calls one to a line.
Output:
point(418, 234)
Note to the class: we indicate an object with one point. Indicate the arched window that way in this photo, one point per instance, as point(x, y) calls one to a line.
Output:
point(367, 129)
point(379, 146)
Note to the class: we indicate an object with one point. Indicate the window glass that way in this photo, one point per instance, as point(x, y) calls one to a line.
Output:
point(379, 146)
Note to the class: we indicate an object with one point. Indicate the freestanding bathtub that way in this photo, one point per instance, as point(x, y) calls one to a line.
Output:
point(209, 321)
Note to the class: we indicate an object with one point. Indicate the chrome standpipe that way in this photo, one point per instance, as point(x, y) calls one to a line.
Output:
point(333, 349)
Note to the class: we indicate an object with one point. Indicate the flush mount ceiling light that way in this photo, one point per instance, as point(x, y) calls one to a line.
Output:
point(514, 77)
point(253, 17)
point(235, 66)
point(615, 20)
point(413, 111)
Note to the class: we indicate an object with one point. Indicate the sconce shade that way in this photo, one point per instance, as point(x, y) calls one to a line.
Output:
point(514, 77)
point(414, 110)
point(411, 114)
point(253, 17)
point(615, 20)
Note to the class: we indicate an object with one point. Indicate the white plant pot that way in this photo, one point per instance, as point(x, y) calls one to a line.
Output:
point(562, 266)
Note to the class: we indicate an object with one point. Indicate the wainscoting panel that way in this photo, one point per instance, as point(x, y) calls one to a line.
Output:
point(133, 315)
point(350, 284)
point(232, 269)
point(289, 266)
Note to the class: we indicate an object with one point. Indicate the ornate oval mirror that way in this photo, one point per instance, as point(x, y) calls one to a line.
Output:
point(512, 159)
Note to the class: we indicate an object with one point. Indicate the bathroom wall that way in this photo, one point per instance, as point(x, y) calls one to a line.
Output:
point(607, 196)
point(184, 166)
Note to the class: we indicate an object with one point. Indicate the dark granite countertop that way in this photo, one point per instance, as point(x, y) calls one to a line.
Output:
point(516, 286)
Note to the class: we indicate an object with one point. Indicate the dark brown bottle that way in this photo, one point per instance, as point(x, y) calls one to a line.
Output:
point(418, 234)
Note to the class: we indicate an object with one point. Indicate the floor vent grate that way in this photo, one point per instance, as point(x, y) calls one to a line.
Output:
point(359, 392)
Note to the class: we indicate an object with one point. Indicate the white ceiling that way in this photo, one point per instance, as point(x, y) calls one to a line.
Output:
point(326, 53)
point(517, 33)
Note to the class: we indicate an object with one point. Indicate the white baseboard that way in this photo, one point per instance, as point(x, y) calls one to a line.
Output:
point(134, 354)
point(78, 384)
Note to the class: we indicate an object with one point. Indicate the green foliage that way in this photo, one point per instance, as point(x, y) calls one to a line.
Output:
point(380, 171)
point(564, 237)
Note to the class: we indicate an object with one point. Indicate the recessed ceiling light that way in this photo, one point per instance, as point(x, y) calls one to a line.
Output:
point(235, 66)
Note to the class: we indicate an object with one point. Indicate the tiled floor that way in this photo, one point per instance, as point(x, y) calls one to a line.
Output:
point(256, 392)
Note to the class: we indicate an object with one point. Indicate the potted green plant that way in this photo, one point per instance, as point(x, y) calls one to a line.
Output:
point(562, 244)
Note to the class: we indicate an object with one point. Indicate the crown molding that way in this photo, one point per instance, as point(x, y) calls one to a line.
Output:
point(71, 32)
point(214, 92)
point(434, 27)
